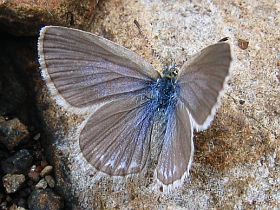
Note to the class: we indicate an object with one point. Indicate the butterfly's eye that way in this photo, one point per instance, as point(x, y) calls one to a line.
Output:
point(170, 71)
point(174, 72)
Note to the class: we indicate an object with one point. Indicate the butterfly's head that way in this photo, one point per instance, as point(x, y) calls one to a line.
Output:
point(170, 71)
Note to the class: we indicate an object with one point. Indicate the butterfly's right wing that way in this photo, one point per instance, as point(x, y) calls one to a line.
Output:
point(84, 69)
point(201, 81)
point(177, 150)
point(116, 138)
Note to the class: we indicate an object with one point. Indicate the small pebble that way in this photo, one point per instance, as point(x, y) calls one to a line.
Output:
point(3, 205)
point(50, 181)
point(34, 176)
point(42, 184)
point(12, 133)
point(243, 44)
point(19, 163)
point(33, 168)
point(37, 136)
point(12, 182)
point(15, 207)
point(46, 171)
point(45, 199)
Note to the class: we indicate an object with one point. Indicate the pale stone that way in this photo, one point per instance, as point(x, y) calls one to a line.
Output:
point(235, 162)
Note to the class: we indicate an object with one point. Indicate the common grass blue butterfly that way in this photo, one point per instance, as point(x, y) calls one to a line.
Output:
point(85, 70)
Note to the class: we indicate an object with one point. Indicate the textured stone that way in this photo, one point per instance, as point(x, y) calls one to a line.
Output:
point(45, 199)
point(12, 182)
point(25, 18)
point(12, 133)
point(235, 162)
point(20, 162)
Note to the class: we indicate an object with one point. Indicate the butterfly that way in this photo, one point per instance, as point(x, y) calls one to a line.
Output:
point(88, 71)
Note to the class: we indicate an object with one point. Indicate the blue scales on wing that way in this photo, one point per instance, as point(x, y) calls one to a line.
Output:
point(116, 139)
point(177, 149)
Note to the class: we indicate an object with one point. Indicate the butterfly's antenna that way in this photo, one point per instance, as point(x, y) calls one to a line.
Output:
point(47, 8)
point(147, 40)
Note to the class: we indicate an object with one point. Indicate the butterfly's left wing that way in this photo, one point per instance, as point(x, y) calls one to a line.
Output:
point(82, 69)
point(177, 150)
point(116, 138)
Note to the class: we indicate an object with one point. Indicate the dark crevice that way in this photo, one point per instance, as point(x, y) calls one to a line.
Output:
point(19, 78)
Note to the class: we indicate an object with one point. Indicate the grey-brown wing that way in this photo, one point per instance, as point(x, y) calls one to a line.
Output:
point(116, 138)
point(201, 82)
point(85, 69)
point(177, 150)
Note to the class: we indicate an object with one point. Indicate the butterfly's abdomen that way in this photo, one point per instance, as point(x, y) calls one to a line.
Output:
point(165, 92)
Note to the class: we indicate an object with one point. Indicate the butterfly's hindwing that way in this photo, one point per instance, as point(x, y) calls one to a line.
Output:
point(177, 150)
point(116, 138)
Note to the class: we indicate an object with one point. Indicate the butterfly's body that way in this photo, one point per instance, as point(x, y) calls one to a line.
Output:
point(85, 70)
point(165, 92)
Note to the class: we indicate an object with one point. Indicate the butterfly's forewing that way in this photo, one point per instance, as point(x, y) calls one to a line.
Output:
point(201, 82)
point(177, 150)
point(85, 69)
point(116, 138)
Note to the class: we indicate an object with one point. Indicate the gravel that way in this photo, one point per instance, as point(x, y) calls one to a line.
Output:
point(45, 199)
point(12, 182)
point(25, 174)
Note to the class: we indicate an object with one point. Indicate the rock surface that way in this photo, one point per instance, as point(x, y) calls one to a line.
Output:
point(236, 163)
point(45, 199)
point(25, 18)
point(18, 163)
point(12, 133)
point(236, 160)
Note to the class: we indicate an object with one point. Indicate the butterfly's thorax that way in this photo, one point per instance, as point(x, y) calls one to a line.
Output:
point(166, 89)
point(165, 92)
